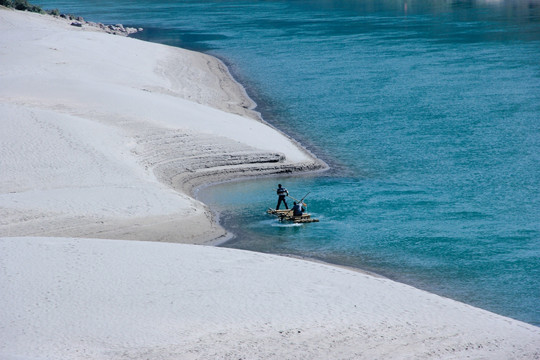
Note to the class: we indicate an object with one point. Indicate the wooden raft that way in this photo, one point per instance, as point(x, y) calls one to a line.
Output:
point(287, 215)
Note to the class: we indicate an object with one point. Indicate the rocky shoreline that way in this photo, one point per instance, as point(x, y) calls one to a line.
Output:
point(77, 21)
point(117, 29)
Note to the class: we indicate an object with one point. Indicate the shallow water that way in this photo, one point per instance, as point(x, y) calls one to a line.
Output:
point(428, 113)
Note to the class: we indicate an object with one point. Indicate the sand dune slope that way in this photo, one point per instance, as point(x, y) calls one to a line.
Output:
point(175, 301)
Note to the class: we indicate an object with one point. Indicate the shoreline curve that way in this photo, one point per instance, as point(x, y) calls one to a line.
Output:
point(178, 117)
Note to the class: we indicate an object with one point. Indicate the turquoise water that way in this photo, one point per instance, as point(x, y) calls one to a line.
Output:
point(429, 115)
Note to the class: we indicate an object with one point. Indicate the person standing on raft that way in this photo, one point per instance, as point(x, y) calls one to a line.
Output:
point(282, 193)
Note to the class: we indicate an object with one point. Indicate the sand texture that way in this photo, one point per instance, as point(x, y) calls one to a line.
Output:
point(175, 301)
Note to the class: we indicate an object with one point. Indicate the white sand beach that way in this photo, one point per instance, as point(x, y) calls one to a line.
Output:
point(106, 136)
point(103, 139)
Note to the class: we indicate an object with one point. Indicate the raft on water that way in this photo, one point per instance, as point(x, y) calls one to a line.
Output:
point(287, 215)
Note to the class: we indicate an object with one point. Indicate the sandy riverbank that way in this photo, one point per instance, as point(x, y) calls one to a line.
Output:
point(102, 299)
point(105, 137)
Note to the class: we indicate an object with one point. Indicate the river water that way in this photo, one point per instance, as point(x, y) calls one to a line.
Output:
point(428, 113)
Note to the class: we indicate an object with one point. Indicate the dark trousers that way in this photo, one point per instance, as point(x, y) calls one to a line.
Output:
point(281, 198)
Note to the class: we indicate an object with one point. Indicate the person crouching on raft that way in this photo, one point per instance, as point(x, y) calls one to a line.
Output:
point(298, 210)
point(282, 193)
